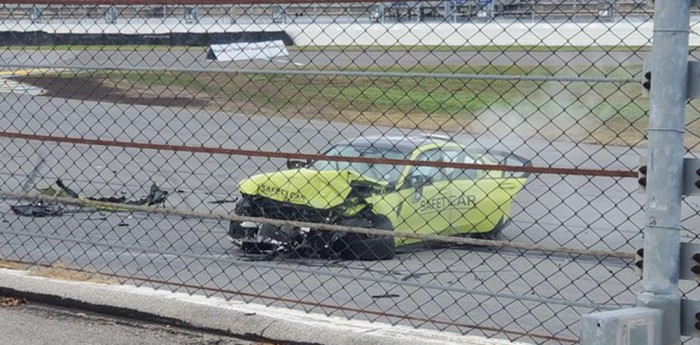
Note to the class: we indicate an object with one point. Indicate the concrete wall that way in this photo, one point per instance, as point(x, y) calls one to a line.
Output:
point(477, 34)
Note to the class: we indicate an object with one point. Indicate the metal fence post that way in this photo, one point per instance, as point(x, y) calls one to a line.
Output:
point(36, 14)
point(111, 15)
point(535, 159)
point(665, 164)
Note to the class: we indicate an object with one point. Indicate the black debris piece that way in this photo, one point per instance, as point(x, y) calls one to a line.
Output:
point(155, 196)
point(387, 295)
point(38, 209)
point(224, 201)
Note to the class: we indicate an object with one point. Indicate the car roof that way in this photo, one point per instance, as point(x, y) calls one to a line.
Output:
point(402, 143)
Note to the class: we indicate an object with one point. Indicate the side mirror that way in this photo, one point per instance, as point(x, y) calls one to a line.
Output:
point(292, 164)
point(417, 181)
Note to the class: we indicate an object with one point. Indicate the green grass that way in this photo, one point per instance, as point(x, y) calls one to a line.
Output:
point(436, 97)
point(601, 112)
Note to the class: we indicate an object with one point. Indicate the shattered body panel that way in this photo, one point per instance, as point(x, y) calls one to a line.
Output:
point(38, 209)
point(300, 186)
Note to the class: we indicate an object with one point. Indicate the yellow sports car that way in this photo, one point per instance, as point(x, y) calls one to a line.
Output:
point(406, 198)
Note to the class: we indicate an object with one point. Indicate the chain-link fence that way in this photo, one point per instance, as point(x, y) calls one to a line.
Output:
point(462, 166)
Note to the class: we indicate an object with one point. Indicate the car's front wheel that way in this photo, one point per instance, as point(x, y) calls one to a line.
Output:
point(239, 230)
point(353, 246)
point(235, 231)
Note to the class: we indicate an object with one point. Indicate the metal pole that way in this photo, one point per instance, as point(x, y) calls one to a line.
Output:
point(669, 67)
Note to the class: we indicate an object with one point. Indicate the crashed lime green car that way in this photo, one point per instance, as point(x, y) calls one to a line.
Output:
point(400, 198)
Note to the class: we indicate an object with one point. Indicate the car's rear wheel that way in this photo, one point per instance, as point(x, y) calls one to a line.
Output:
point(352, 246)
point(494, 234)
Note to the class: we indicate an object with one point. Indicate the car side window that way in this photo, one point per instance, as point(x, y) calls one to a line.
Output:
point(455, 156)
point(434, 173)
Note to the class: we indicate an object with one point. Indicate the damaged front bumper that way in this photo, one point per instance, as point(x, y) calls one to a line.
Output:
point(271, 240)
point(268, 239)
point(312, 242)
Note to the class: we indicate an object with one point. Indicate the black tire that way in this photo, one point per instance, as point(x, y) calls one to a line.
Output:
point(494, 234)
point(353, 246)
point(276, 233)
point(235, 231)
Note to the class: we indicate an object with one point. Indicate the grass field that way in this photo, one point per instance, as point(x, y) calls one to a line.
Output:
point(599, 112)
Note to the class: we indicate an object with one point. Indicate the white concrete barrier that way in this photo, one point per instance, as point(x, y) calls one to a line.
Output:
point(230, 317)
point(501, 33)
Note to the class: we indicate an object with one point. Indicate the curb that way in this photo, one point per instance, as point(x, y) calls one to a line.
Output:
point(217, 315)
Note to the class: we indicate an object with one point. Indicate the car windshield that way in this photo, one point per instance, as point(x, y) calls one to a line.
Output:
point(384, 172)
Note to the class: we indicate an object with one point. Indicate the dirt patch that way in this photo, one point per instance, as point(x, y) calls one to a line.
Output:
point(65, 272)
point(12, 265)
point(58, 271)
point(97, 88)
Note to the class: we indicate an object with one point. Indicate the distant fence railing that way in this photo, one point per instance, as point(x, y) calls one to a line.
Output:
point(416, 10)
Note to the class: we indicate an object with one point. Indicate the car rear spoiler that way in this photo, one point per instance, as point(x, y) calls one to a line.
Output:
point(503, 158)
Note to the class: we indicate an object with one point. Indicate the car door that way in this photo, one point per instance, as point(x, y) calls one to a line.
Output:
point(425, 207)
point(485, 196)
point(469, 212)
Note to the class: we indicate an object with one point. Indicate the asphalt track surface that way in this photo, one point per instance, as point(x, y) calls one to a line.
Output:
point(31, 324)
point(452, 284)
point(182, 58)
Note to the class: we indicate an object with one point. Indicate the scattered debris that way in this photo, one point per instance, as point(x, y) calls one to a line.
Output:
point(123, 224)
point(156, 196)
point(224, 201)
point(387, 295)
point(11, 301)
point(38, 209)
point(414, 275)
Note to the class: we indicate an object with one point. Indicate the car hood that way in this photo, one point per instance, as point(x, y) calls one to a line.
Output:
point(317, 189)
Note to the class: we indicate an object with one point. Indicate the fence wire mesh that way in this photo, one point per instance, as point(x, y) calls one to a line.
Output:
point(466, 166)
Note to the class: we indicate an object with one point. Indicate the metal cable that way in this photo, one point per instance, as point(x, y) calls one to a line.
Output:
point(312, 157)
point(321, 226)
